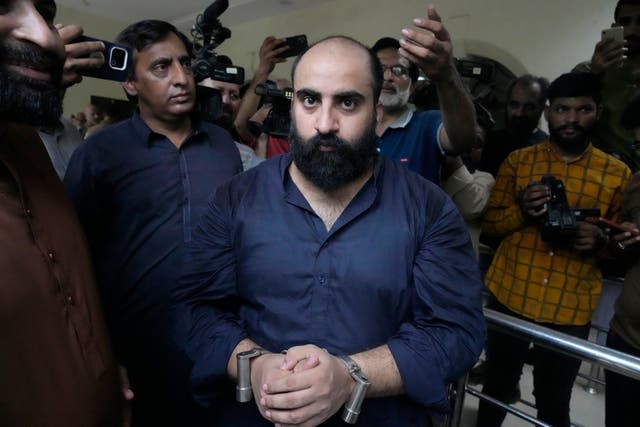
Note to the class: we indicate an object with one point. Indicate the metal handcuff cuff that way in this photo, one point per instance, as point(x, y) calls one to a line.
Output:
point(351, 408)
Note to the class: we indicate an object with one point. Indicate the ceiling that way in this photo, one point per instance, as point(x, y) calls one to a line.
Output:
point(182, 13)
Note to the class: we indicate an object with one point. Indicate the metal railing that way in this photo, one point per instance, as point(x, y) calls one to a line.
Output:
point(609, 359)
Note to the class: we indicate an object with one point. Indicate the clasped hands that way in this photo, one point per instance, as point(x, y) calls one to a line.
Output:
point(303, 387)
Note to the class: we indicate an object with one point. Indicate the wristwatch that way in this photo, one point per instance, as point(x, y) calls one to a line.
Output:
point(243, 386)
point(352, 407)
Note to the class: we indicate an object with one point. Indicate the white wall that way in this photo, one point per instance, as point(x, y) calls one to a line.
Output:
point(545, 37)
point(79, 95)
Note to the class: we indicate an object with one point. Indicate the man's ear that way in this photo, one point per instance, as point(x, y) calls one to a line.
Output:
point(379, 112)
point(546, 113)
point(129, 87)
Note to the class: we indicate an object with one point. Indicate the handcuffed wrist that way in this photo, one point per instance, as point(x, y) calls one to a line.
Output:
point(353, 405)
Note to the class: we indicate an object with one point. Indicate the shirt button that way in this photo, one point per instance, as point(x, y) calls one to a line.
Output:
point(70, 300)
point(545, 281)
point(321, 280)
point(28, 212)
point(551, 253)
point(52, 256)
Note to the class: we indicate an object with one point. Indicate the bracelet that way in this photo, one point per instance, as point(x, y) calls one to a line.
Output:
point(353, 405)
point(243, 386)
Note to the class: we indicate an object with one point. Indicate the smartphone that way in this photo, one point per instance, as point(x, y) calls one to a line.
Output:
point(615, 33)
point(117, 60)
point(297, 45)
point(614, 226)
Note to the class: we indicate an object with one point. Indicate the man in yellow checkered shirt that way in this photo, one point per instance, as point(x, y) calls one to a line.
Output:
point(554, 282)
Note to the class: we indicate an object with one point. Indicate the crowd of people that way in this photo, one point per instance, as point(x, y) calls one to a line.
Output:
point(160, 266)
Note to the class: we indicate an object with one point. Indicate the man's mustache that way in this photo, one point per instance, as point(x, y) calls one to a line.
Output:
point(32, 56)
point(566, 127)
point(330, 140)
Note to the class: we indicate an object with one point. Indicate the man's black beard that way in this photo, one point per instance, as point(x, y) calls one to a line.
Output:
point(226, 119)
point(576, 144)
point(522, 127)
point(330, 170)
point(26, 100)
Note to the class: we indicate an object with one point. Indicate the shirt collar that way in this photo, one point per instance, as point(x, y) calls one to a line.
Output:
point(286, 159)
point(405, 118)
point(148, 135)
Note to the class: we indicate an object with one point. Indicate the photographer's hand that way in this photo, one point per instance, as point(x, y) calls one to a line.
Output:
point(77, 54)
point(269, 52)
point(432, 51)
point(607, 54)
point(268, 59)
point(533, 199)
point(589, 237)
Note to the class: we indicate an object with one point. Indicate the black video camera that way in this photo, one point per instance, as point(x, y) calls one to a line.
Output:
point(278, 121)
point(478, 70)
point(560, 225)
point(208, 33)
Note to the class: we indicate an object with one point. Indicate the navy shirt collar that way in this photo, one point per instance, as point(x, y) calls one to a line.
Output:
point(147, 135)
point(362, 201)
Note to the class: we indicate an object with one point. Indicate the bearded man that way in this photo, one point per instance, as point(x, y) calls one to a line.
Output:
point(420, 140)
point(330, 251)
point(549, 275)
point(56, 365)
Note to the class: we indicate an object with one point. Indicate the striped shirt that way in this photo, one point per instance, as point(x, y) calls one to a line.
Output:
point(537, 279)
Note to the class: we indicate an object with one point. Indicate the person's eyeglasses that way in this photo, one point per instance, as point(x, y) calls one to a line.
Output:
point(396, 70)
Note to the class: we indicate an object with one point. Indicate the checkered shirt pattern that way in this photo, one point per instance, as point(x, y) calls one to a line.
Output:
point(536, 279)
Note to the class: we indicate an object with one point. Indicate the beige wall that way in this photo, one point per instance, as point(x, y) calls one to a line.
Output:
point(545, 37)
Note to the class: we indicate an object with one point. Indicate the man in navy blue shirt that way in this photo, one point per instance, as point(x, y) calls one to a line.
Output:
point(420, 140)
point(139, 188)
point(331, 250)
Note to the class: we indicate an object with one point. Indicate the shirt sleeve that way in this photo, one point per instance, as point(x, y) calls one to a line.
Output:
point(503, 215)
point(80, 182)
point(204, 312)
point(470, 192)
point(445, 333)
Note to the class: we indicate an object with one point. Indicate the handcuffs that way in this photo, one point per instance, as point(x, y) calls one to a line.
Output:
point(351, 410)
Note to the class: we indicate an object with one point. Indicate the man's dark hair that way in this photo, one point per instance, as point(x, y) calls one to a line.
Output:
point(528, 80)
point(142, 34)
point(616, 13)
point(631, 115)
point(391, 43)
point(374, 64)
point(573, 85)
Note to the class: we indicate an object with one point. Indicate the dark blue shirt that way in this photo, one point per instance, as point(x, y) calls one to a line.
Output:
point(396, 268)
point(138, 197)
point(413, 140)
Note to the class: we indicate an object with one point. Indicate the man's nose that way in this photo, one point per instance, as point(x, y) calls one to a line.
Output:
point(326, 121)
point(31, 26)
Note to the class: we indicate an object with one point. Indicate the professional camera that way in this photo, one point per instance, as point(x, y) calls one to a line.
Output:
point(559, 224)
point(208, 33)
point(278, 121)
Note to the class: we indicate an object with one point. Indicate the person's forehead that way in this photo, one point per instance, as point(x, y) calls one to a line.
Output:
point(573, 100)
point(391, 56)
point(334, 67)
point(169, 46)
point(522, 92)
point(225, 86)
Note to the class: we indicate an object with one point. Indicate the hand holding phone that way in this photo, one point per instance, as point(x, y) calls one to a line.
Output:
point(297, 45)
point(116, 61)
